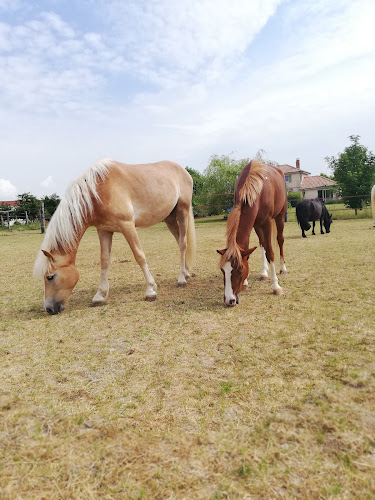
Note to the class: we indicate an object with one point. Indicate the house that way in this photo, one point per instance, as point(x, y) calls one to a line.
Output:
point(311, 186)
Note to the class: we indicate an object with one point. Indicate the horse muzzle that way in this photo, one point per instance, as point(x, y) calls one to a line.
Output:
point(53, 307)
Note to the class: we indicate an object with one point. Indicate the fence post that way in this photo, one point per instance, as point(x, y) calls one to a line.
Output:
point(42, 218)
point(8, 222)
point(27, 219)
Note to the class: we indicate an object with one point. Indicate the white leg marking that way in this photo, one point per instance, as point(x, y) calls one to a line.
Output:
point(283, 269)
point(275, 282)
point(264, 273)
point(229, 298)
point(245, 282)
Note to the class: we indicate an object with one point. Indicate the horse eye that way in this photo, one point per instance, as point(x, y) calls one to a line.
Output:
point(50, 277)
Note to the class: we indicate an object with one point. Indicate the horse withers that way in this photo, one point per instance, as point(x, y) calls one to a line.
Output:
point(115, 197)
point(313, 210)
point(260, 203)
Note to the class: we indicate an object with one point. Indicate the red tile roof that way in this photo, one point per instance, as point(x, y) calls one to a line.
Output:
point(317, 181)
point(288, 169)
point(10, 203)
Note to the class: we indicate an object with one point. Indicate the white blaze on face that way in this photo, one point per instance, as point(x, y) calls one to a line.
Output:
point(228, 291)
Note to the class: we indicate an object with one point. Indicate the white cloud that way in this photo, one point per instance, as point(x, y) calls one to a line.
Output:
point(8, 192)
point(48, 183)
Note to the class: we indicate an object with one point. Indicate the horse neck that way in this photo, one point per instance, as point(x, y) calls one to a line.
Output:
point(70, 253)
point(246, 224)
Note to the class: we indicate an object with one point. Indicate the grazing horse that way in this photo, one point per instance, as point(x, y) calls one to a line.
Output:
point(313, 210)
point(115, 197)
point(373, 205)
point(260, 202)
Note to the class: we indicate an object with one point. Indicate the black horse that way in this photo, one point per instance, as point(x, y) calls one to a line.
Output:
point(312, 210)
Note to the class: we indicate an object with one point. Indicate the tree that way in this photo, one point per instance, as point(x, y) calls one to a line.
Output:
point(198, 189)
point(50, 204)
point(27, 203)
point(354, 171)
point(220, 178)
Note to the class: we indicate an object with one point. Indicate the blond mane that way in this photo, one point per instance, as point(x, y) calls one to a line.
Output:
point(71, 214)
point(248, 193)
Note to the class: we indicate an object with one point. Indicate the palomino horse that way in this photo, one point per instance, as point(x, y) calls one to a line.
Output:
point(115, 197)
point(313, 210)
point(260, 202)
point(373, 204)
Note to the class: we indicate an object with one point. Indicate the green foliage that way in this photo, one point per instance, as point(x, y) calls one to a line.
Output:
point(354, 170)
point(198, 189)
point(294, 197)
point(5, 207)
point(220, 178)
point(50, 204)
point(27, 203)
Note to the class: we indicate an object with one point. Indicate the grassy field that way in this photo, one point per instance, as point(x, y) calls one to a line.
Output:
point(184, 398)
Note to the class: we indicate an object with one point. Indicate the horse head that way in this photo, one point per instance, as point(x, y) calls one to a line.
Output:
point(327, 221)
point(59, 281)
point(235, 272)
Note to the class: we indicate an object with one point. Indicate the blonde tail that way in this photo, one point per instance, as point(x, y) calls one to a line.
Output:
point(191, 241)
point(373, 204)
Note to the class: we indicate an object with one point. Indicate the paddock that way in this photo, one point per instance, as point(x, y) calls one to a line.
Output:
point(183, 398)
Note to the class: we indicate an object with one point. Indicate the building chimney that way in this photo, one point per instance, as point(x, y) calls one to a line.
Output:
point(297, 163)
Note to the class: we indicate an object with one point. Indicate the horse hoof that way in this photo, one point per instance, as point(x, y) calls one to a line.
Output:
point(278, 292)
point(284, 272)
point(150, 298)
point(181, 285)
point(193, 275)
point(263, 278)
point(244, 288)
point(98, 303)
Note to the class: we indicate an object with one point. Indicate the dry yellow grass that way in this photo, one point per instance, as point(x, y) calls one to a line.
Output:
point(183, 398)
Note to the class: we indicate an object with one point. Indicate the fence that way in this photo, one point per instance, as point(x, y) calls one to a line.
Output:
point(331, 202)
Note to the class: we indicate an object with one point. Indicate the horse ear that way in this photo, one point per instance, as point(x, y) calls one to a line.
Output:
point(48, 255)
point(247, 253)
point(221, 252)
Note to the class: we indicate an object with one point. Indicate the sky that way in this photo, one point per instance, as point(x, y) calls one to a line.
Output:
point(148, 80)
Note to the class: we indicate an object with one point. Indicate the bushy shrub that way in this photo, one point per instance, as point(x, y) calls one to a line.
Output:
point(294, 197)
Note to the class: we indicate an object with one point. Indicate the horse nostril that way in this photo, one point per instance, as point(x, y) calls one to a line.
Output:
point(232, 302)
point(50, 310)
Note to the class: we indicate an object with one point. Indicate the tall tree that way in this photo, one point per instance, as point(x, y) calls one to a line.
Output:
point(27, 203)
point(220, 178)
point(198, 189)
point(354, 170)
point(51, 203)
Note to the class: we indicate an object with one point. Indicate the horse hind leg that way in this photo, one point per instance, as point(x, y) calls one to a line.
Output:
point(280, 241)
point(101, 295)
point(177, 224)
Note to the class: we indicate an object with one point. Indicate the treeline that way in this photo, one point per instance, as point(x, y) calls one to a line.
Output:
point(30, 205)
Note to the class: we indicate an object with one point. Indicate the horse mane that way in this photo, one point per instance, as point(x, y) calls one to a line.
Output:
point(71, 214)
point(248, 193)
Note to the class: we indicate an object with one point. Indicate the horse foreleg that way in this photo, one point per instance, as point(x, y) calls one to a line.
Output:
point(313, 231)
point(276, 288)
point(321, 225)
point(131, 236)
point(105, 239)
point(265, 267)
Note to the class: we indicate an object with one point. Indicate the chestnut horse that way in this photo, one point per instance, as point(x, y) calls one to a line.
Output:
point(260, 202)
point(115, 197)
point(373, 204)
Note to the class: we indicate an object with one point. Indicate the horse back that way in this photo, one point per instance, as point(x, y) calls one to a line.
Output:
point(145, 193)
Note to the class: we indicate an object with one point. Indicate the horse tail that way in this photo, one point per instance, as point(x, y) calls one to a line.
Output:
point(302, 217)
point(373, 204)
point(191, 240)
